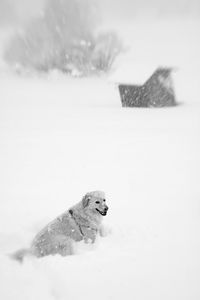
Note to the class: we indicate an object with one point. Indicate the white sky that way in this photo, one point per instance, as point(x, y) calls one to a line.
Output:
point(128, 8)
point(112, 9)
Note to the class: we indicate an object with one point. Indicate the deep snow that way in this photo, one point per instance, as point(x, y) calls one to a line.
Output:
point(62, 137)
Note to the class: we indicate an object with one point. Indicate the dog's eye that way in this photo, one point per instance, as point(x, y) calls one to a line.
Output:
point(104, 200)
point(97, 202)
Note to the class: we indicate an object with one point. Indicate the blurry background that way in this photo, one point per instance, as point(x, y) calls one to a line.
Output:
point(131, 8)
point(18, 11)
point(12, 11)
point(63, 34)
point(61, 137)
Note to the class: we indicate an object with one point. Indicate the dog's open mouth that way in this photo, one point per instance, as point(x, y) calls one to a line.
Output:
point(103, 213)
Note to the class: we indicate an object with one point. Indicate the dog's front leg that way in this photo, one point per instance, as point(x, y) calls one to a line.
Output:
point(90, 235)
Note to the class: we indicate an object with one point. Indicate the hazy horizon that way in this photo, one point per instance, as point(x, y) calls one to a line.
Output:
point(12, 11)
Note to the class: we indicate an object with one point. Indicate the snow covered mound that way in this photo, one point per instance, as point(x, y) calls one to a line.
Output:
point(62, 137)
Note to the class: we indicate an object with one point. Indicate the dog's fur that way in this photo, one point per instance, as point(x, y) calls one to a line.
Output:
point(81, 222)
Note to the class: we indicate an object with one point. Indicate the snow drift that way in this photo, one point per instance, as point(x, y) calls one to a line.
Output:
point(62, 137)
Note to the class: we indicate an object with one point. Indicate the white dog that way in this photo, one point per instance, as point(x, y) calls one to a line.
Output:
point(81, 222)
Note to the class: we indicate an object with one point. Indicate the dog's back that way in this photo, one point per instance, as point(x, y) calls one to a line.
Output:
point(57, 236)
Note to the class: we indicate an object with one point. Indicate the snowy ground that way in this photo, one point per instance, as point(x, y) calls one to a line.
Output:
point(62, 137)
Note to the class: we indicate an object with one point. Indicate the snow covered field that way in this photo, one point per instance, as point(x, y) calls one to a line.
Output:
point(62, 137)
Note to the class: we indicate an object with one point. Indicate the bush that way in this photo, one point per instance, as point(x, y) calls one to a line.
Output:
point(107, 47)
point(64, 38)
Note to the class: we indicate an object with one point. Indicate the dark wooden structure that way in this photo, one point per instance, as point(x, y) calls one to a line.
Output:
point(157, 91)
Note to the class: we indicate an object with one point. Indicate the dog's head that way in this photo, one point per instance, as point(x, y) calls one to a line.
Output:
point(95, 202)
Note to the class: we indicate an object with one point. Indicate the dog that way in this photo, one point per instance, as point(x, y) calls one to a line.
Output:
point(81, 222)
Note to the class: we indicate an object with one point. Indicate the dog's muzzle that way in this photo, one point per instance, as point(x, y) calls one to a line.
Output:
point(103, 212)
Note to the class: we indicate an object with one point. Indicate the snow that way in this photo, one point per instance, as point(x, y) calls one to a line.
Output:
point(62, 137)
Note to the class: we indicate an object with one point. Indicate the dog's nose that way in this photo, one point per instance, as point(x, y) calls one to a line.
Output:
point(106, 208)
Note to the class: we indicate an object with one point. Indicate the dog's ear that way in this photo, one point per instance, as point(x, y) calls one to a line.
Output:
point(86, 200)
